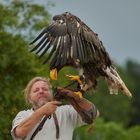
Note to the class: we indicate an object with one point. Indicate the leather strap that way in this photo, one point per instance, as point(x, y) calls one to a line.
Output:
point(40, 126)
point(56, 125)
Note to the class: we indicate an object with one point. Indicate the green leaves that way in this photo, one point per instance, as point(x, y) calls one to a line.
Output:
point(20, 21)
point(23, 17)
point(17, 64)
point(107, 131)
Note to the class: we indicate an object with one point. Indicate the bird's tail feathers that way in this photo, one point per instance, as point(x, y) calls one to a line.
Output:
point(115, 82)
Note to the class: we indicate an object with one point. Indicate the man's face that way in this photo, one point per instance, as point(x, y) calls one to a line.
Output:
point(39, 94)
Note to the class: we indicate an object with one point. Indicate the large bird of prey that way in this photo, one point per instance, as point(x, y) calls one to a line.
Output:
point(70, 42)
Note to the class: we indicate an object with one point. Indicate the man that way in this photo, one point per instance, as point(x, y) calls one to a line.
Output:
point(47, 120)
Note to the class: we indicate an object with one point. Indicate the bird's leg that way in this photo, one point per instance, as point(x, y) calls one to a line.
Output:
point(84, 85)
point(53, 74)
point(87, 86)
point(78, 79)
point(75, 78)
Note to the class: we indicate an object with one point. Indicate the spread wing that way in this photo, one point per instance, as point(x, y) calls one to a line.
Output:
point(68, 39)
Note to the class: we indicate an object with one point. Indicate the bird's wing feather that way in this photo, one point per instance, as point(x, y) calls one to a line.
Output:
point(115, 82)
point(68, 39)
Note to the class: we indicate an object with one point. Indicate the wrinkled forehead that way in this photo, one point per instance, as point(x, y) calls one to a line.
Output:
point(40, 84)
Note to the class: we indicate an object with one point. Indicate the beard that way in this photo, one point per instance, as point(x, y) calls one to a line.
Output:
point(40, 103)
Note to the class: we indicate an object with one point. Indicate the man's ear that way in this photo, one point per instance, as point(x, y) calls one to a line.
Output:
point(29, 100)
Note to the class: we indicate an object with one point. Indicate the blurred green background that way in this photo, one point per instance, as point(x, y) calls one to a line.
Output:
point(20, 21)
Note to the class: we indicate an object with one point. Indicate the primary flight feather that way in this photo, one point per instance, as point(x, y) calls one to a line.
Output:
point(70, 42)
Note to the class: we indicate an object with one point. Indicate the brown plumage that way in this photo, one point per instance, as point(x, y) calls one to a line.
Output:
point(70, 42)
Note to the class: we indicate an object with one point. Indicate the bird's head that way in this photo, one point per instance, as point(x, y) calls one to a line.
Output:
point(63, 17)
point(59, 18)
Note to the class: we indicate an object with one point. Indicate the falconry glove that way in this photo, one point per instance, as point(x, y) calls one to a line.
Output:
point(85, 108)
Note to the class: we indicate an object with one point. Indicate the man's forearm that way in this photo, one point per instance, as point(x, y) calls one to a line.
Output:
point(28, 124)
point(86, 109)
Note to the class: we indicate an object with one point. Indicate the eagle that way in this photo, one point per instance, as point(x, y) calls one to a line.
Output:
point(68, 41)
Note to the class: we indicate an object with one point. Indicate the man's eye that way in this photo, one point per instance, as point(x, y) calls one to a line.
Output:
point(36, 90)
point(45, 89)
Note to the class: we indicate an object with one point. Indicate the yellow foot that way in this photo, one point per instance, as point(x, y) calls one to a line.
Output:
point(79, 94)
point(53, 74)
point(75, 78)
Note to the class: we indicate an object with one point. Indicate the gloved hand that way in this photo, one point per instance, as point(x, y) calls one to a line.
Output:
point(66, 93)
point(85, 108)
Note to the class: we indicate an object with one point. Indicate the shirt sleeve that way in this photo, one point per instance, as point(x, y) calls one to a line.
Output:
point(74, 117)
point(18, 119)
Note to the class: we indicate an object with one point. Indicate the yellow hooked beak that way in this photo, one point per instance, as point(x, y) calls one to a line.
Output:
point(53, 74)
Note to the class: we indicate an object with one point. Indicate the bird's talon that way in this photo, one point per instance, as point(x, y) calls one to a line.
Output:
point(75, 78)
point(53, 74)
point(79, 94)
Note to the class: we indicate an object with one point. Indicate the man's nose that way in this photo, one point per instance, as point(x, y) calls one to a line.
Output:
point(41, 91)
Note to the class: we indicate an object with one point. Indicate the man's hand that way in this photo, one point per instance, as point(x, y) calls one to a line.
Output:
point(66, 93)
point(49, 108)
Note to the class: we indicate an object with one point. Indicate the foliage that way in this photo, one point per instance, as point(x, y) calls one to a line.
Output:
point(133, 70)
point(107, 131)
point(134, 133)
point(23, 17)
point(19, 22)
point(17, 65)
